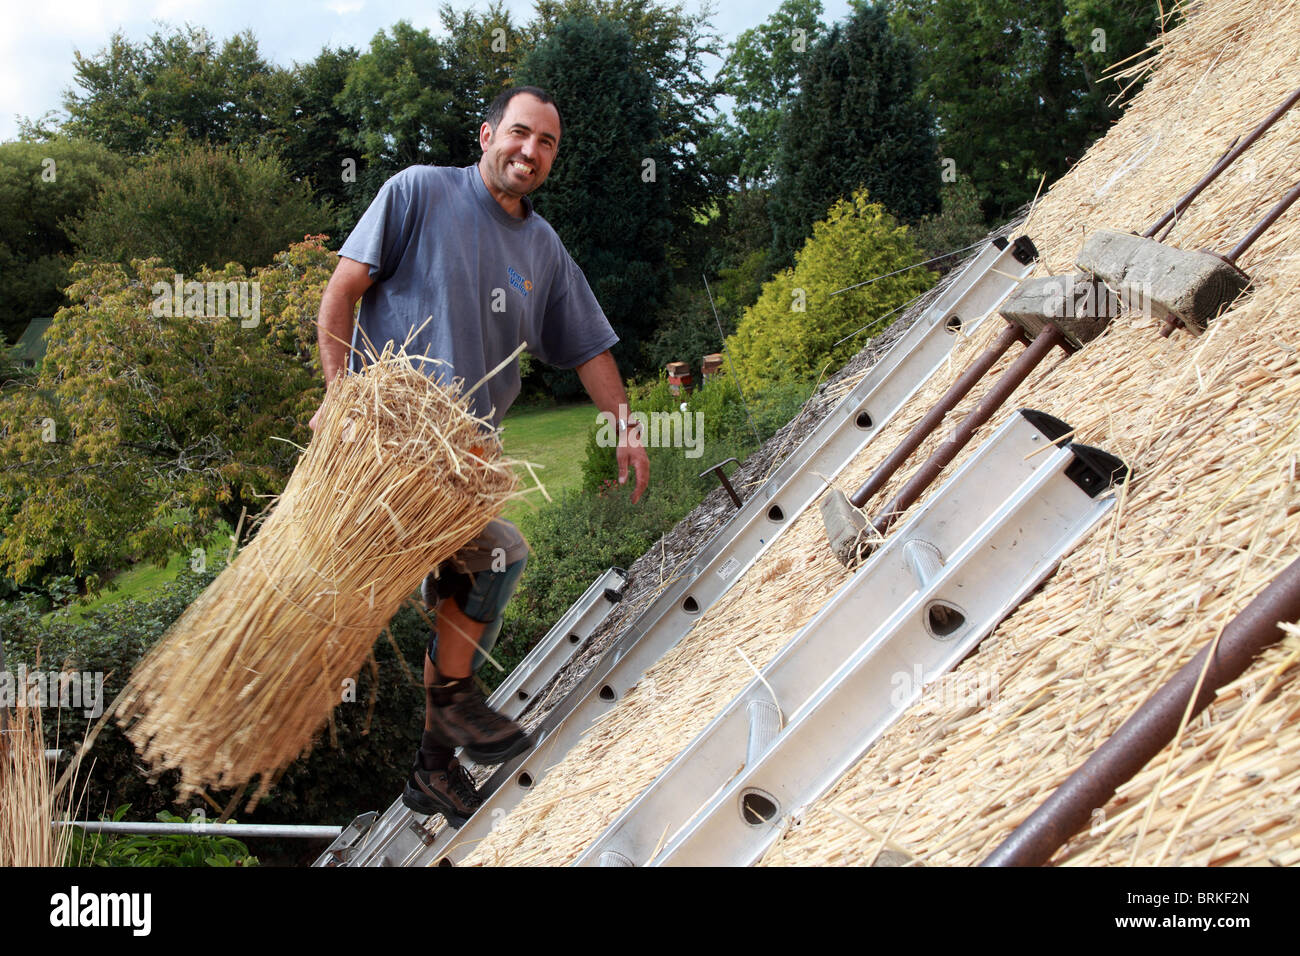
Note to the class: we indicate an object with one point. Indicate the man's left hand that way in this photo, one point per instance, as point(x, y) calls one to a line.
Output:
point(632, 452)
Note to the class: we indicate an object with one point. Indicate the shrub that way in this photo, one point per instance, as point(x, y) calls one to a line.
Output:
point(686, 330)
point(194, 205)
point(162, 849)
point(572, 541)
point(42, 187)
point(156, 414)
point(799, 326)
point(960, 223)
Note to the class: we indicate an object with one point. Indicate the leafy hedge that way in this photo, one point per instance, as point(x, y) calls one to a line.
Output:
point(799, 326)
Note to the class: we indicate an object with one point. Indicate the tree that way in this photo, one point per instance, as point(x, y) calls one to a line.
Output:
point(146, 429)
point(399, 99)
point(607, 195)
point(799, 327)
point(762, 75)
point(668, 46)
point(312, 135)
point(136, 97)
point(42, 186)
point(855, 122)
point(483, 52)
point(195, 205)
point(1017, 84)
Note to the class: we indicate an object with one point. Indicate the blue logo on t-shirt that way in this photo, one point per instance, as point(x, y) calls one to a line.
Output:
point(519, 282)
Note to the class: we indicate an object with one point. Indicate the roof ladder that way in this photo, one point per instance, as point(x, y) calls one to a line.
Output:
point(914, 610)
point(399, 834)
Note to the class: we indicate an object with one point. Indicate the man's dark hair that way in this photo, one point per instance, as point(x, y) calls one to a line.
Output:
point(497, 110)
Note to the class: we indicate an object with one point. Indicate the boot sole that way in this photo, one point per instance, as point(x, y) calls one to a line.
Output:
point(420, 802)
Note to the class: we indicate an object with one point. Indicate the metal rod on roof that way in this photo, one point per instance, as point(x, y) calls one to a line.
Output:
point(1224, 162)
point(934, 417)
point(1007, 382)
point(1181, 205)
point(1153, 725)
point(1270, 217)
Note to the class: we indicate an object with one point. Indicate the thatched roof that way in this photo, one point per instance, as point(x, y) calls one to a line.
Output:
point(1211, 427)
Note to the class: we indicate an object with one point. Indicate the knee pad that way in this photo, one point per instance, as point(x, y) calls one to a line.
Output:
point(449, 583)
point(482, 596)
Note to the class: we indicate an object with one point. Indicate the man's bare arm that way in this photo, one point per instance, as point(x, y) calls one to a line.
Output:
point(337, 307)
point(600, 378)
point(337, 310)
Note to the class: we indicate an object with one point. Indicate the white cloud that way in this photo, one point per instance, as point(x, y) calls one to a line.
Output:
point(344, 7)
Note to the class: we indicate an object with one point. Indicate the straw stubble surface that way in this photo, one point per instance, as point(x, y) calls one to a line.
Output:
point(399, 475)
point(28, 797)
point(1211, 426)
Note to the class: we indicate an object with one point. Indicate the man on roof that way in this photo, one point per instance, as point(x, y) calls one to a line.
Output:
point(466, 247)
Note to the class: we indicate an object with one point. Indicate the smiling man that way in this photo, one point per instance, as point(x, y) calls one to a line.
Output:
point(464, 247)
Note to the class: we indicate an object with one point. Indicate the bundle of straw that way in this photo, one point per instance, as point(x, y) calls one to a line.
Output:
point(399, 475)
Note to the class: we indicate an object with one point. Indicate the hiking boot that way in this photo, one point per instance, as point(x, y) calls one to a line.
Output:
point(462, 718)
point(450, 792)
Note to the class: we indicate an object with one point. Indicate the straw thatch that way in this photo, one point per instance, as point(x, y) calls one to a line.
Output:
point(399, 475)
point(1211, 426)
point(28, 798)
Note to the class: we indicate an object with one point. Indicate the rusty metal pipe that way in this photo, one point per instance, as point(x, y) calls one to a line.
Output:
point(1152, 726)
point(722, 477)
point(1185, 200)
point(1223, 163)
point(1270, 217)
point(933, 418)
point(1007, 382)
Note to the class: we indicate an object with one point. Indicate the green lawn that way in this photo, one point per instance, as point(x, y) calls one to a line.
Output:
point(140, 579)
point(556, 439)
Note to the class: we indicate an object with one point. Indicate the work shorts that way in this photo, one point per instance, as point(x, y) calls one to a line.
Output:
point(482, 577)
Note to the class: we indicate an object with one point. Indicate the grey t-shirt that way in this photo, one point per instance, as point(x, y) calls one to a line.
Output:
point(439, 245)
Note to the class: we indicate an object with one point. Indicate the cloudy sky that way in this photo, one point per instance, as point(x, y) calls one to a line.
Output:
point(36, 47)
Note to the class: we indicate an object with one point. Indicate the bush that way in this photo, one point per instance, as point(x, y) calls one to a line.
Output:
point(162, 849)
point(723, 431)
point(42, 186)
point(959, 224)
point(194, 205)
point(686, 330)
point(799, 327)
point(572, 541)
point(157, 414)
